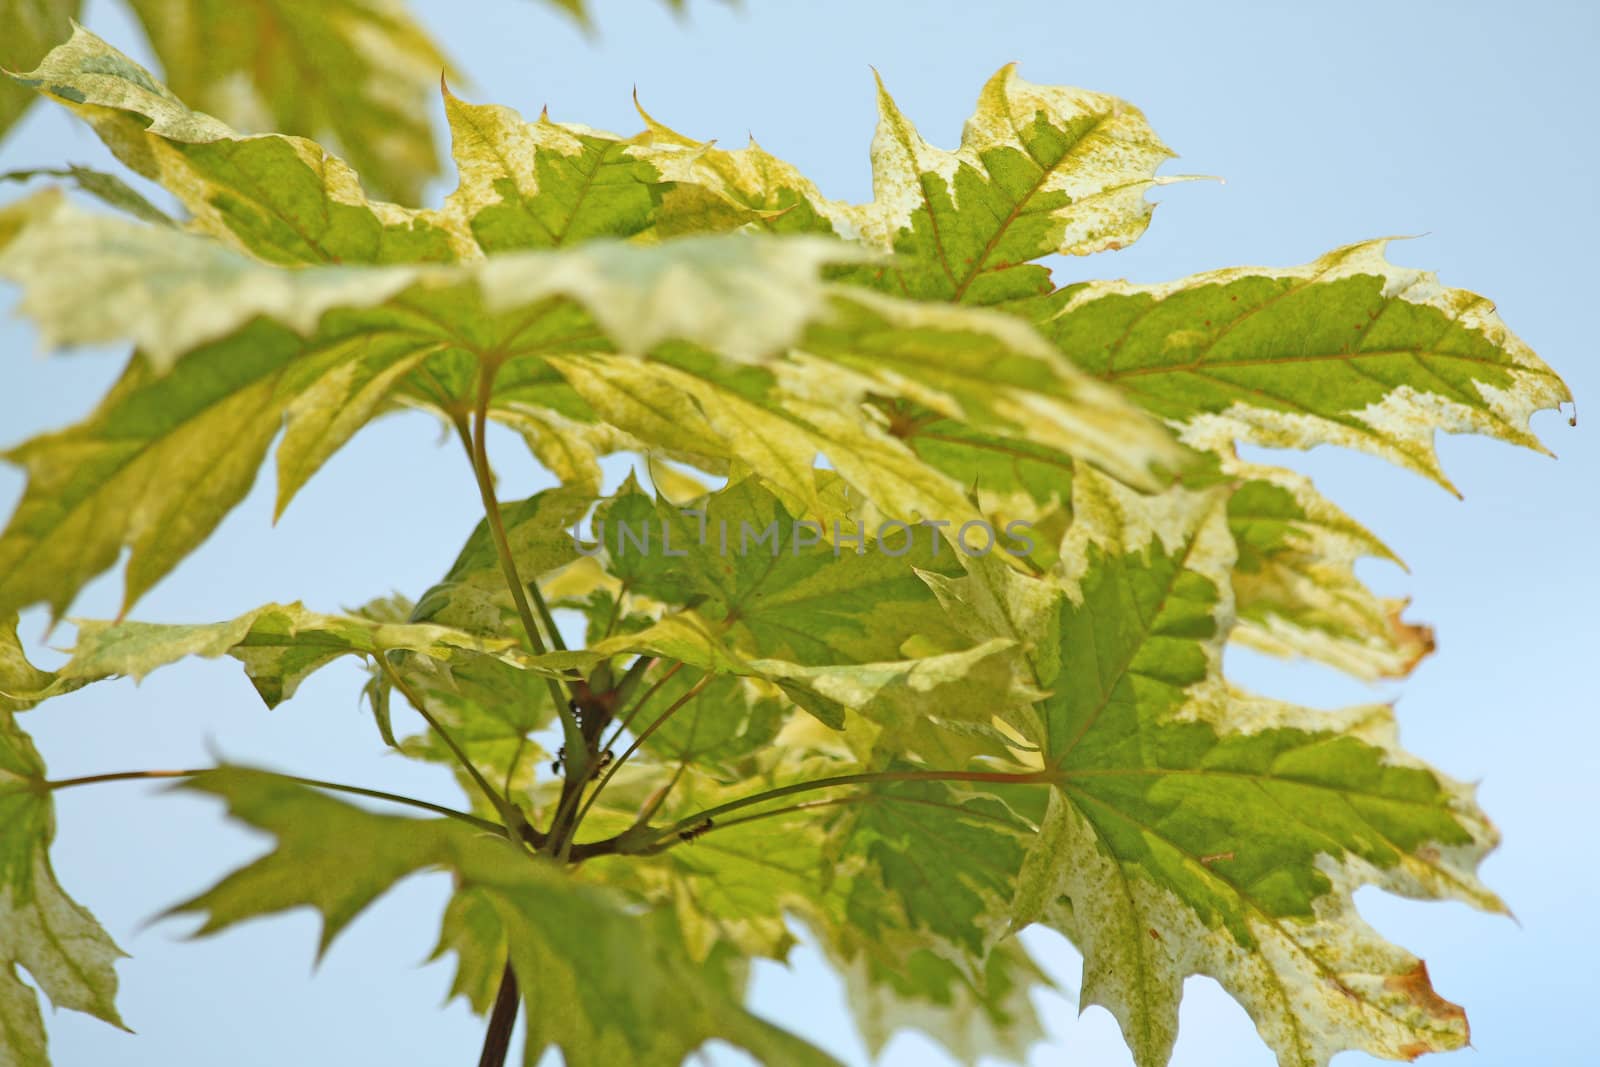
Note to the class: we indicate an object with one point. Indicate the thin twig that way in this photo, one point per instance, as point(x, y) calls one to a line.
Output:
point(510, 815)
point(805, 805)
point(638, 706)
point(616, 609)
point(864, 778)
point(317, 783)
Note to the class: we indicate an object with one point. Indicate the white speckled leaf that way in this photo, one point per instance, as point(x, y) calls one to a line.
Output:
point(1349, 350)
point(1193, 828)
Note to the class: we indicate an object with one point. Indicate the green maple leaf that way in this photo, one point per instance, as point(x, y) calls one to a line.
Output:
point(1195, 829)
point(279, 197)
point(735, 891)
point(1294, 584)
point(1041, 169)
point(733, 887)
point(603, 985)
point(284, 199)
point(761, 596)
point(213, 413)
point(543, 184)
point(472, 595)
point(718, 729)
point(993, 1017)
point(1349, 350)
point(948, 862)
point(740, 559)
point(43, 931)
point(1040, 736)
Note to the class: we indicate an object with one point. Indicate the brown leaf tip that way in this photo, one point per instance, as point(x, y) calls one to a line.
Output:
point(1417, 989)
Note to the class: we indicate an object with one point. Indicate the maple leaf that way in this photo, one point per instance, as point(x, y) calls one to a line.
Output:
point(628, 992)
point(914, 750)
point(43, 931)
point(358, 71)
point(1041, 169)
point(1294, 584)
point(278, 644)
point(280, 198)
point(248, 365)
point(1349, 350)
point(993, 1017)
point(544, 184)
point(1193, 828)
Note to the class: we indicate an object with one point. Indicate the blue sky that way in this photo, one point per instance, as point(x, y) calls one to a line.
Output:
point(1470, 124)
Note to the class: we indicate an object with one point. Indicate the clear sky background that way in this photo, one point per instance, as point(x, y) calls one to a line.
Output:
point(1469, 123)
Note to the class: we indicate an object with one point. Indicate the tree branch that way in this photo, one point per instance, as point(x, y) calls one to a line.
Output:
point(644, 735)
point(497, 1038)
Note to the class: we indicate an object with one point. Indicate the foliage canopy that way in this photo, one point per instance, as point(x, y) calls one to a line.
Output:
point(939, 657)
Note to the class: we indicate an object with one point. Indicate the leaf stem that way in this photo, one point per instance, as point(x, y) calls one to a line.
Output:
point(548, 619)
point(865, 778)
point(805, 805)
point(475, 439)
point(514, 822)
point(630, 677)
point(318, 783)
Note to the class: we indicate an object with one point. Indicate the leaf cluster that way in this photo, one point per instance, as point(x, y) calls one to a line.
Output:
point(926, 651)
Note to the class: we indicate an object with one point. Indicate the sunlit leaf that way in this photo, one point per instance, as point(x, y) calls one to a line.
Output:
point(938, 657)
point(278, 644)
point(1040, 169)
point(1349, 350)
point(1195, 829)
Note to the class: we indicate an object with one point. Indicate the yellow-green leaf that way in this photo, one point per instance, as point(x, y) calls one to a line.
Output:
point(32, 27)
point(625, 990)
point(168, 454)
point(43, 931)
point(1295, 589)
point(1195, 829)
point(1349, 350)
point(358, 72)
point(279, 645)
point(1040, 169)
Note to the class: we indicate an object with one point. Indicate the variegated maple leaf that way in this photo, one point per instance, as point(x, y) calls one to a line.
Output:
point(781, 712)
